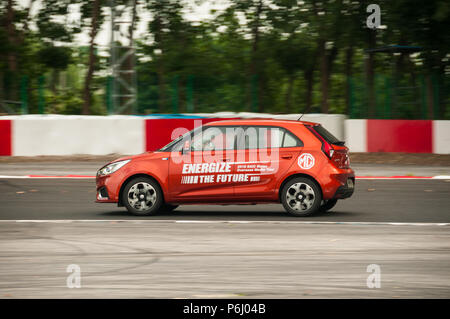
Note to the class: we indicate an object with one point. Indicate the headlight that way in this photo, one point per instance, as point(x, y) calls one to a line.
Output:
point(111, 168)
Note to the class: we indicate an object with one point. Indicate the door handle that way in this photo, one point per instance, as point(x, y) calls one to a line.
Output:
point(286, 156)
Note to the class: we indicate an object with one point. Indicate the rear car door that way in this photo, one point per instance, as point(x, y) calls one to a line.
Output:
point(263, 153)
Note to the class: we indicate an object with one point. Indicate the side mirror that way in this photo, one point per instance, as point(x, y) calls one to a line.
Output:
point(186, 147)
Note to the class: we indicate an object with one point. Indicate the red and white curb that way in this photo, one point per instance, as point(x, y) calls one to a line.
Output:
point(73, 176)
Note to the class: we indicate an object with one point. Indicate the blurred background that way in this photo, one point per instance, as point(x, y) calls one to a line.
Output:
point(278, 56)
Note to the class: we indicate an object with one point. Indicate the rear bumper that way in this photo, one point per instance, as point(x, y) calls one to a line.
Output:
point(340, 185)
point(345, 191)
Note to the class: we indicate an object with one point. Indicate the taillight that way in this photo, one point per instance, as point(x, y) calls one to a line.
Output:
point(341, 158)
point(327, 148)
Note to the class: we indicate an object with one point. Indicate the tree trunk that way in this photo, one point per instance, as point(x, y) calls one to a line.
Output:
point(324, 83)
point(288, 102)
point(12, 57)
point(370, 85)
point(54, 80)
point(162, 99)
point(130, 64)
point(430, 96)
point(91, 65)
point(326, 63)
point(1, 83)
point(370, 74)
point(309, 78)
point(254, 64)
point(348, 74)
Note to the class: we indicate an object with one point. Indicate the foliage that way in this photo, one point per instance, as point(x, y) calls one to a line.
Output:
point(255, 55)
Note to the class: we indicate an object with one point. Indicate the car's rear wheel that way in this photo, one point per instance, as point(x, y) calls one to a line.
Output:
point(328, 204)
point(301, 197)
point(142, 196)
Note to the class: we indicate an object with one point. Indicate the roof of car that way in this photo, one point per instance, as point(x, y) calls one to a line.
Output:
point(258, 121)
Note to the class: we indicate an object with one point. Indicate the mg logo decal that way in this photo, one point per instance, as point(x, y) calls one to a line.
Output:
point(306, 161)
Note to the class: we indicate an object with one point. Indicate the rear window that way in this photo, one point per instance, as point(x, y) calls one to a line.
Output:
point(327, 136)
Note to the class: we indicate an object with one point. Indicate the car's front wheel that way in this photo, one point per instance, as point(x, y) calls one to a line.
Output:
point(301, 197)
point(142, 196)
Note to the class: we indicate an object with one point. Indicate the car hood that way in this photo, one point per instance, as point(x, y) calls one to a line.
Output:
point(147, 155)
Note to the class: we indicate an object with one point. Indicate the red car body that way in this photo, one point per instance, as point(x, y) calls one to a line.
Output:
point(241, 175)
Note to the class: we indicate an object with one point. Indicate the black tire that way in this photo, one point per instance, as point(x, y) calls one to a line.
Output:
point(167, 208)
point(304, 197)
point(152, 196)
point(329, 204)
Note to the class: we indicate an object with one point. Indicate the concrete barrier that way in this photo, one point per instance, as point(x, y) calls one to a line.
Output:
point(356, 135)
point(67, 135)
point(402, 136)
point(34, 135)
point(441, 137)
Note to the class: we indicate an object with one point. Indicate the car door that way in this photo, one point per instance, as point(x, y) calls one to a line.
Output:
point(203, 170)
point(264, 154)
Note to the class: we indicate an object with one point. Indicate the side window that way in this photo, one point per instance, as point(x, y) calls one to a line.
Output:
point(273, 137)
point(290, 140)
point(250, 137)
point(255, 137)
point(214, 138)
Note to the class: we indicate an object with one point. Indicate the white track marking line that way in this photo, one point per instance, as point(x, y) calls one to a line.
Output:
point(394, 178)
point(62, 221)
point(12, 176)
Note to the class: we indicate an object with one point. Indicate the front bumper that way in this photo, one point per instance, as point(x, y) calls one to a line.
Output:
point(106, 189)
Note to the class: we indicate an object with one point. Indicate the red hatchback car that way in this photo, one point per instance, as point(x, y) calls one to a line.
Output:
point(297, 163)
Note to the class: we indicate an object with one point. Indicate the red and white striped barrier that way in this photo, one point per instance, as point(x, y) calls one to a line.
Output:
point(5, 137)
point(36, 135)
point(47, 135)
point(406, 136)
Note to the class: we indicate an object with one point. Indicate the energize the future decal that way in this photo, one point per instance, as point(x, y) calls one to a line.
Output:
point(245, 172)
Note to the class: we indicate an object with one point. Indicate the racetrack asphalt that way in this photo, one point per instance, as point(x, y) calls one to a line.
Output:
point(373, 201)
point(207, 251)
